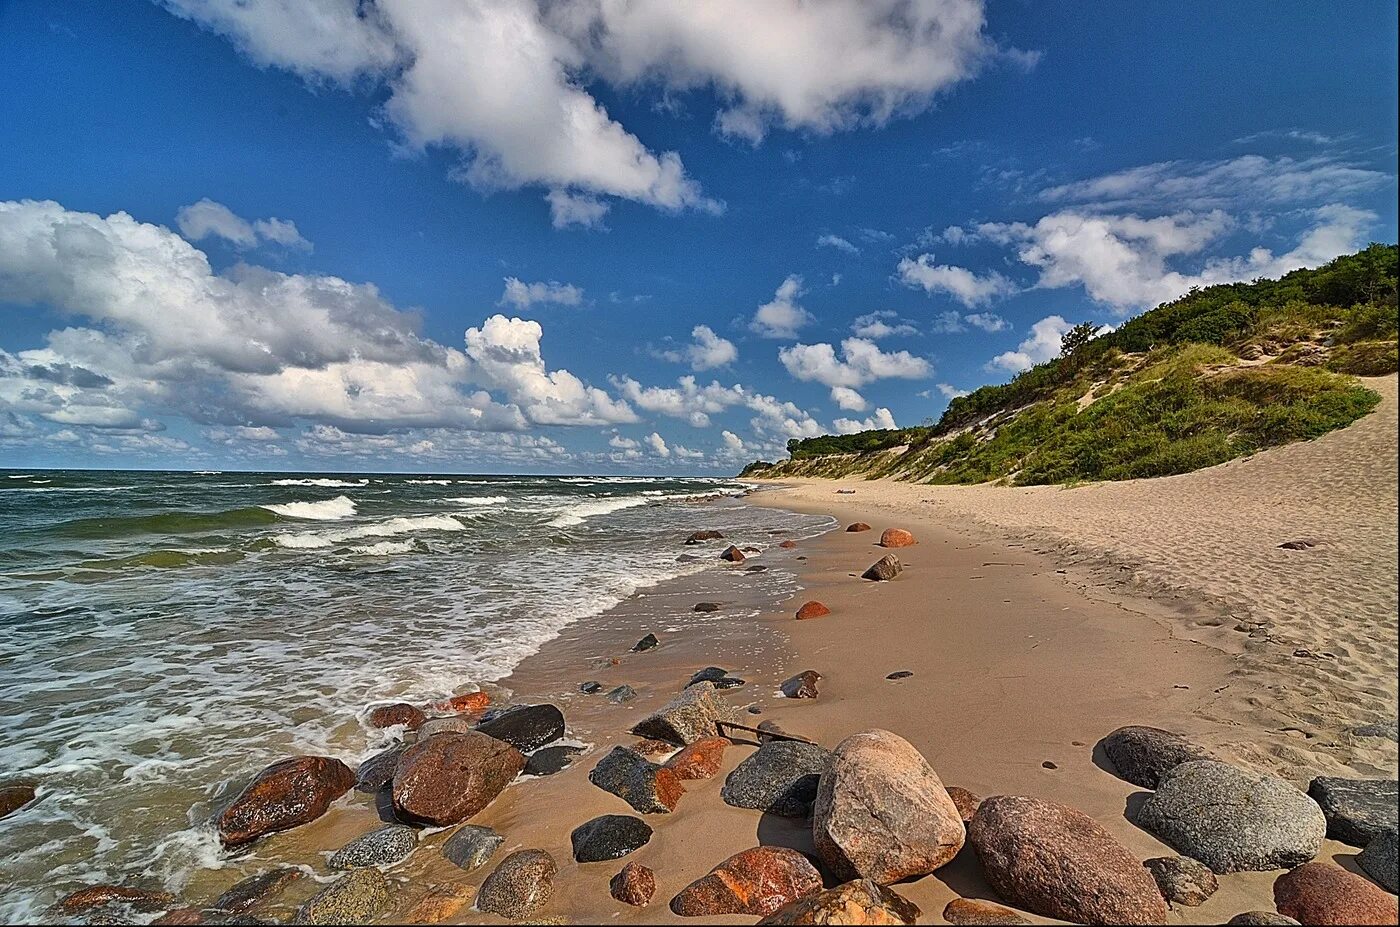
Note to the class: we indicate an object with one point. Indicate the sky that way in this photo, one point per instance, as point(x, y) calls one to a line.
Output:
point(631, 235)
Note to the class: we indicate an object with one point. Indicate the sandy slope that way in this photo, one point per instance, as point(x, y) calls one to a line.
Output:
point(1315, 629)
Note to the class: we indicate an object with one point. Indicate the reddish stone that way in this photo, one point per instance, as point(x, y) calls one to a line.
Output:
point(1321, 893)
point(96, 896)
point(440, 903)
point(467, 701)
point(859, 902)
point(965, 801)
point(284, 795)
point(397, 713)
point(787, 545)
point(732, 554)
point(634, 885)
point(857, 526)
point(14, 797)
point(652, 747)
point(896, 537)
point(756, 882)
point(976, 911)
point(700, 760)
point(450, 777)
point(813, 609)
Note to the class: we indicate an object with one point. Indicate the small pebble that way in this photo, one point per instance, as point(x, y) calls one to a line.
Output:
point(900, 674)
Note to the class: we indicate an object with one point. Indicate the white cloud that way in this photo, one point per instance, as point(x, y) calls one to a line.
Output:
point(706, 352)
point(848, 399)
point(987, 321)
point(861, 362)
point(569, 210)
point(523, 295)
point(733, 442)
point(949, 391)
point(837, 242)
point(966, 287)
point(782, 316)
point(1042, 345)
point(207, 218)
point(882, 419)
point(883, 323)
point(658, 445)
point(622, 443)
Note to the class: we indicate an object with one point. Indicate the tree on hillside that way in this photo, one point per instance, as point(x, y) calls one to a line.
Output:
point(1077, 337)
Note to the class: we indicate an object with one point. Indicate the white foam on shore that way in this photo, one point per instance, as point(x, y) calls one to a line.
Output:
point(384, 548)
point(321, 482)
point(584, 511)
point(478, 500)
point(324, 510)
point(403, 524)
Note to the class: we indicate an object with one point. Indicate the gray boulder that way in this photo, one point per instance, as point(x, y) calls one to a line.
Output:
point(649, 788)
point(355, 898)
point(886, 568)
point(688, 717)
point(1357, 810)
point(380, 847)
point(1182, 880)
point(1233, 820)
point(519, 886)
point(780, 777)
point(1143, 755)
point(1262, 919)
point(1379, 861)
point(452, 724)
point(470, 846)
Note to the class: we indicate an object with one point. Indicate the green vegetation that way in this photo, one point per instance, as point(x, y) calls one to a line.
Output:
point(1221, 372)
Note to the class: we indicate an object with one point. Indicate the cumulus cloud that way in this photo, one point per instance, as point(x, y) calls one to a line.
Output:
point(1042, 345)
point(773, 418)
point(705, 352)
point(848, 399)
point(837, 242)
point(658, 445)
point(881, 419)
point(861, 362)
point(966, 287)
point(523, 295)
point(781, 317)
point(952, 322)
point(884, 323)
point(206, 219)
point(571, 210)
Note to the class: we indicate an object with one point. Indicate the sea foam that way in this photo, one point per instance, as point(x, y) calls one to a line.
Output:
point(324, 510)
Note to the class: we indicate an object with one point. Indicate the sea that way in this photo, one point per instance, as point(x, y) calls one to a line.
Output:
point(164, 635)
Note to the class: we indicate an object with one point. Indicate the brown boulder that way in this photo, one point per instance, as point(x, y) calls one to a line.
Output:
point(1321, 893)
point(97, 896)
point(757, 882)
point(970, 911)
point(286, 794)
point(700, 760)
point(450, 777)
point(787, 545)
point(896, 537)
point(965, 801)
point(858, 902)
point(857, 526)
point(439, 904)
point(1058, 862)
point(812, 609)
point(397, 713)
point(881, 811)
point(634, 885)
point(467, 701)
point(699, 536)
point(247, 894)
point(15, 796)
point(886, 568)
point(732, 554)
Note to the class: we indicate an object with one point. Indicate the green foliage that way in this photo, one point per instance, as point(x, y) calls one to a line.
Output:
point(1077, 337)
point(1365, 358)
point(1367, 322)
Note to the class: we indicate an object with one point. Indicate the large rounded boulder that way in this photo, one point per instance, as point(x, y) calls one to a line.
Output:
point(1057, 862)
point(756, 882)
point(286, 794)
point(1143, 755)
point(450, 777)
point(881, 811)
point(1321, 893)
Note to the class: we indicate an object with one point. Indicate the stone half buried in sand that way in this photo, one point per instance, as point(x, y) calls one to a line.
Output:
point(882, 813)
point(780, 777)
point(857, 526)
point(450, 777)
point(634, 885)
point(896, 537)
point(859, 902)
point(733, 554)
point(688, 717)
point(439, 903)
point(803, 685)
point(1057, 862)
point(813, 609)
point(884, 569)
point(610, 836)
point(1233, 820)
point(700, 760)
point(1143, 755)
point(647, 787)
point(1321, 893)
point(755, 882)
point(976, 911)
point(284, 795)
point(519, 886)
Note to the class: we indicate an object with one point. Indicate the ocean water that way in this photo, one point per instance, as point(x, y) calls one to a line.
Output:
point(163, 635)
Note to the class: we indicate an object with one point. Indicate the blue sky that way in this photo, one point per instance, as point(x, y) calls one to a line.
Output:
point(587, 235)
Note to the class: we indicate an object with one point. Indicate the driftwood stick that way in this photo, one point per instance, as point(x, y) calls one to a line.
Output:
point(775, 735)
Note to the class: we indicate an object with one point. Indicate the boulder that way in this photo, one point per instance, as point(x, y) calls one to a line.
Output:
point(448, 778)
point(247, 894)
point(621, 694)
point(519, 886)
point(701, 536)
point(1182, 880)
point(398, 713)
point(886, 568)
point(14, 796)
point(647, 787)
point(590, 687)
point(688, 717)
point(355, 898)
point(471, 846)
point(467, 701)
point(440, 903)
point(787, 545)
point(547, 761)
point(611, 836)
point(803, 685)
point(1058, 862)
point(653, 748)
point(1142, 755)
point(708, 674)
point(780, 777)
point(1263, 919)
point(896, 537)
point(857, 526)
point(634, 885)
point(882, 813)
point(646, 643)
point(1321, 893)
point(813, 609)
point(977, 911)
point(1379, 861)
point(1233, 820)
point(966, 802)
point(143, 900)
point(453, 724)
point(374, 773)
point(380, 847)
point(527, 728)
point(1357, 810)
point(755, 882)
point(706, 607)
point(733, 554)
point(858, 902)
point(700, 760)
point(284, 795)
